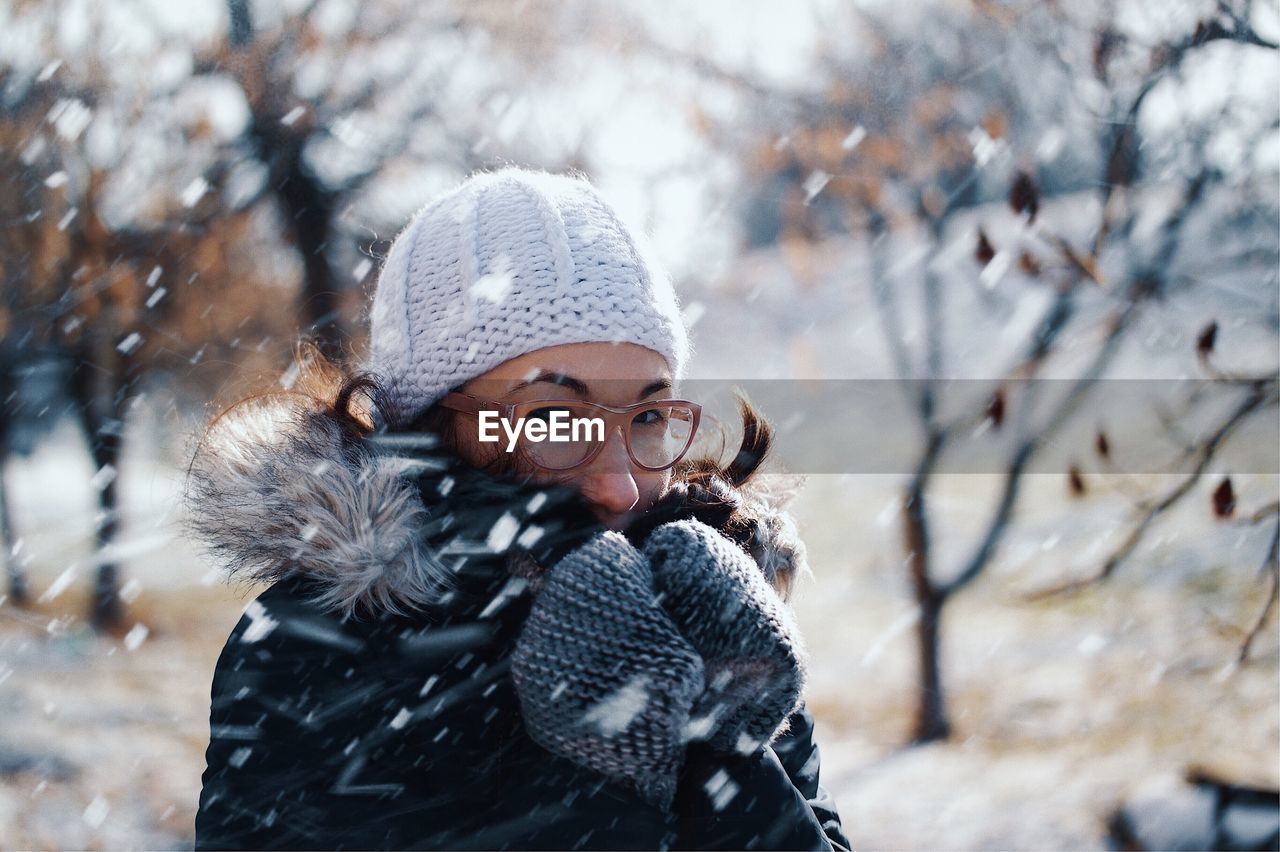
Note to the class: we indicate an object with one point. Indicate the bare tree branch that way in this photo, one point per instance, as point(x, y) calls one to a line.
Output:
point(1205, 452)
point(1118, 325)
point(1271, 565)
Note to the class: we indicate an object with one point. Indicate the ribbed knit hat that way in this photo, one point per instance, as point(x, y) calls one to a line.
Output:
point(507, 263)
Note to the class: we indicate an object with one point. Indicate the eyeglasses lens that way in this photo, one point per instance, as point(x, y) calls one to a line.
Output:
point(658, 436)
point(661, 435)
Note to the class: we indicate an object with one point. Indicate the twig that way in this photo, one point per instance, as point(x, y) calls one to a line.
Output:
point(1271, 565)
point(1206, 451)
point(1272, 508)
point(886, 299)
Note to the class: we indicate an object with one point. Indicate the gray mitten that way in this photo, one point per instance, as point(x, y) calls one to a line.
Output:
point(603, 676)
point(749, 643)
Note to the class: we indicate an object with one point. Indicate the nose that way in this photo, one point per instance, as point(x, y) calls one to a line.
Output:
point(608, 483)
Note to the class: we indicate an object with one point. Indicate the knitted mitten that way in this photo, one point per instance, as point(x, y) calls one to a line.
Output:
point(749, 643)
point(603, 676)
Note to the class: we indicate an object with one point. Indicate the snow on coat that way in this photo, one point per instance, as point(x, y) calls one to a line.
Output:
point(364, 699)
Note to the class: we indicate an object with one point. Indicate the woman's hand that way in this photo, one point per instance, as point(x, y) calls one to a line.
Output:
point(720, 602)
point(604, 677)
point(628, 655)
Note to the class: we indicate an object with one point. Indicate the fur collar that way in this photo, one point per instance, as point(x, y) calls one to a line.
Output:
point(274, 492)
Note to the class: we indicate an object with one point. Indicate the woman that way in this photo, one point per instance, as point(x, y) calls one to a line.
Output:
point(518, 643)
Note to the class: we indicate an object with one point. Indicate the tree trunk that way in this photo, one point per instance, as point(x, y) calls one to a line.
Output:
point(931, 712)
point(18, 593)
point(308, 206)
point(107, 611)
point(931, 722)
point(310, 209)
point(98, 384)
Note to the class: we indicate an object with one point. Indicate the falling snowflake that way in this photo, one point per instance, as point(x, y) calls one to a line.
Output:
point(493, 288)
point(692, 313)
point(985, 146)
point(194, 191)
point(854, 139)
point(260, 623)
point(136, 636)
point(1091, 644)
point(70, 117)
point(530, 536)
point(104, 477)
point(130, 591)
point(815, 183)
point(614, 714)
point(699, 727)
point(502, 533)
point(49, 70)
point(96, 813)
point(60, 585)
point(402, 718)
point(995, 270)
point(129, 344)
point(509, 592)
point(721, 789)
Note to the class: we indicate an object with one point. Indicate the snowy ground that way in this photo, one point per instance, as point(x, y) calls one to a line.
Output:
point(1060, 709)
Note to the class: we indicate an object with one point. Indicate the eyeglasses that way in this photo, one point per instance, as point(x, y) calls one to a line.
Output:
point(656, 434)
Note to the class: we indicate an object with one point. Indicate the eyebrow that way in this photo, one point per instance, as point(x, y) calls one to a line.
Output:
point(649, 389)
point(580, 387)
point(576, 385)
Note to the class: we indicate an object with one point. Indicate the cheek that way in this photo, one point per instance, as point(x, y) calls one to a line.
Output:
point(652, 486)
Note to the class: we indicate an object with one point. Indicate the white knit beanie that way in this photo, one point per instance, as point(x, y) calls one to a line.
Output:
point(509, 262)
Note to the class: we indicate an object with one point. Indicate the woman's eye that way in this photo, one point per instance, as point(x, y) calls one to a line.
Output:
point(650, 418)
point(546, 413)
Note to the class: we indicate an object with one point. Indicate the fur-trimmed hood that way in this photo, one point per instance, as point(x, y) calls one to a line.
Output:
point(275, 491)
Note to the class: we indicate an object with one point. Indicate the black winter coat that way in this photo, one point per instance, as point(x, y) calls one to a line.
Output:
point(363, 701)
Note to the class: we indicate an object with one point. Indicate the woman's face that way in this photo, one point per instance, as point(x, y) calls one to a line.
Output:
point(606, 373)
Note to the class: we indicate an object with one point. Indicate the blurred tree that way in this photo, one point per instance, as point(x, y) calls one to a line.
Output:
point(181, 214)
point(88, 292)
point(957, 105)
point(340, 97)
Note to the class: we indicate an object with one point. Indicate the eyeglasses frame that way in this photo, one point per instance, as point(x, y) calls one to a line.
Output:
point(615, 417)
